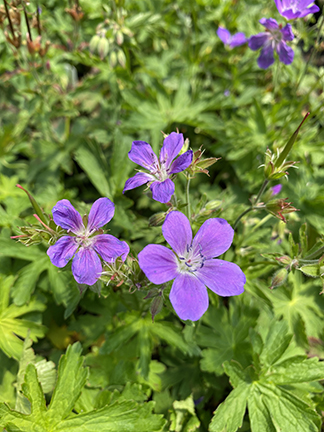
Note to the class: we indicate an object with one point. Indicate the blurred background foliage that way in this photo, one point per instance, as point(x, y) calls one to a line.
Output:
point(76, 88)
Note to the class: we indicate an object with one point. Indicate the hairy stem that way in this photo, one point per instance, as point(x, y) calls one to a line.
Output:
point(188, 198)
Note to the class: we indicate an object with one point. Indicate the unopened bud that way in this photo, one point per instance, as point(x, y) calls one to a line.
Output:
point(103, 48)
point(213, 205)
point(279, 278)
point(113, 59)
point(156, 306)
point(121, 58)
point(157, 219)
point(119, 37)
point(279, 207)
point(285, 260)
point(94, 43)
point(154, 292)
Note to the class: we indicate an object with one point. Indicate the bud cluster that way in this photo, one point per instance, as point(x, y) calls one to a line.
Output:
point(109, 38)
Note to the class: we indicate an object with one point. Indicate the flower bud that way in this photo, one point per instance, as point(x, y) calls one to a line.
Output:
point(119, 37)
point(103, 47)
point(121, 58)
point(279, 207)
point(156, 306)
point(94, 43)
point(199, 165)
point(279, 278)
point(285, 260)
point(157, 219)
point(113, 59)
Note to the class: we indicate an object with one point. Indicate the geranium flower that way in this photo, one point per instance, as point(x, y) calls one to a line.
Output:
point(192, 264)
point(161, 170)
point(232, 41)
point(292, 9)
point(84, 245)
point(273, 39)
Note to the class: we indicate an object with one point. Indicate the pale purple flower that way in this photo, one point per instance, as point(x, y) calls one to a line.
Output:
point(84, 246)
point(276, 189)
point(192, 264)
point(274, 38)
point(162, 169)
point(292, 9)
point(232, 41)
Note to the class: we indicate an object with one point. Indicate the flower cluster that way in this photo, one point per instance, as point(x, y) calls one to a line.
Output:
point(275, 36)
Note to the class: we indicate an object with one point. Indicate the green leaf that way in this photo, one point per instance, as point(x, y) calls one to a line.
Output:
point(26, 283)
point(11, 326)
point(312, 270)
point(225, 339)
point(276, 343)
point(121, 416)
point(92, 166)
point(229, 415)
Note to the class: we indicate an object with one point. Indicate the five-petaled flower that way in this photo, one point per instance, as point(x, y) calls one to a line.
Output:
point(273, 39)
point(292, 9)
point(193, 266)
point(85, 245)
point(232, 41)
point(162, 169)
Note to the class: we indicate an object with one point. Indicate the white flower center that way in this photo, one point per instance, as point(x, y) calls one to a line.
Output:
point(190, 262)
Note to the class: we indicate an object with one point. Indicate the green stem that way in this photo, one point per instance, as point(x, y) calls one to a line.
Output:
point(188, 198)
point(306, 261)
point(257, 199)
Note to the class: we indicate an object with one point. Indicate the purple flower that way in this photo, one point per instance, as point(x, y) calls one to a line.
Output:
point(276, 189)
point(273, 39)
point(161, 170)
point(292, 9)
point(232, 41)
point(192, 264)
point(83, 246)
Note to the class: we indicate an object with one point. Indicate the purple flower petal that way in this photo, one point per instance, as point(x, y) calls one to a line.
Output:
point(138, 180)
point(279, 5)
point(238, 39)
point(287, 33)
point(189, 297)
point(269, 23)
point(109, 247)
point(177, 232)
point(224, 35)
point(182, 162)
point(213, 238)
point(257, 41)
point(63, 250)
point(266, 58)
point(162, 191)
point(286, 53)
point(311, 10)
point(101, 213)
point(65, 216)
point(172, 145)
point(276, 189)
point(159, 263)
point(142, 154)
point(86, 266)
point(224, 278)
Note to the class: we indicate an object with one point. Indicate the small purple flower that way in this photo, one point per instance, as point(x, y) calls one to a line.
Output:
point(192, 264)
point(232, 41)
point(161, 170)
point(84, 246)
point(276, 189)
point(292, 9)
point(274, 38)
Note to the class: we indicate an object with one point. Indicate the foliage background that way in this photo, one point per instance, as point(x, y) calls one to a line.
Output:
point(67, 123)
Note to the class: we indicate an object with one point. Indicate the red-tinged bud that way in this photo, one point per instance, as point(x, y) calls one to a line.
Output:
point(33, 46)
point(285, 260)
point(280, 207)
point(75, 12)
point(279, 278)
point(154, 292)
point(199, 165)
